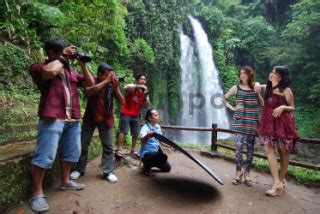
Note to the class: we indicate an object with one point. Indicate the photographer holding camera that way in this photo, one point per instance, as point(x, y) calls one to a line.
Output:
point(99, 113)
point(59, 117)
point(136, 97)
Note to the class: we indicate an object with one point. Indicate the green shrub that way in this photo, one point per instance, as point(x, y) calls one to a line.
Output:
point(14, 63)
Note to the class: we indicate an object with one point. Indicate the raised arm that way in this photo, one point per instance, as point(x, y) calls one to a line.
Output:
point(129, 88)
point(56, 67)
point(119, 95)
point(95, 89)
point(52, 69)
point(88, 79)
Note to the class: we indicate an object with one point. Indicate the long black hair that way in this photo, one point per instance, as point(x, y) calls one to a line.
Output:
point(285, 81)
point(148, 114)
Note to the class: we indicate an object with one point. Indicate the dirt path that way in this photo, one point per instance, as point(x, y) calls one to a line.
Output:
point(186, 189)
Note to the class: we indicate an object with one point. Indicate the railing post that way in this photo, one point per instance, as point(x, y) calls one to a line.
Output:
point(214, 137)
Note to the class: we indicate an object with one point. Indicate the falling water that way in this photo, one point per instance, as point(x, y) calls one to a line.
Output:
point(200, 88)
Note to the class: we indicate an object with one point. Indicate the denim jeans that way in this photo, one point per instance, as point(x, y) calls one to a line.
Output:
point(106, 137)
point(57, 137)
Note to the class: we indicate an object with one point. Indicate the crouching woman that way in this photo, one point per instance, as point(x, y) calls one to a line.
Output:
point(150, 153)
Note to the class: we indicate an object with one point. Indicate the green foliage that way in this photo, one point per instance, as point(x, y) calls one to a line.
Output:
point(13, 189)
point(14, 63)
point(142, 35)
point(142, 56)
point(141, 48)
point(157, 23)
point(257, 37)
point(303, 38)
point(214, 20)
point(300, 174)
point(13, 25)
point(308, 120)
point(97, 29)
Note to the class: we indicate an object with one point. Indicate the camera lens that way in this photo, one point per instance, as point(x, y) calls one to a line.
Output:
point(84, 58)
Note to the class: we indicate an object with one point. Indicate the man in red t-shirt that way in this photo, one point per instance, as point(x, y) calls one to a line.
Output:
point(136, 97)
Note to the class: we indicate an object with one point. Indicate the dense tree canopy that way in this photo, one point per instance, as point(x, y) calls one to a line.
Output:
point(143, 35)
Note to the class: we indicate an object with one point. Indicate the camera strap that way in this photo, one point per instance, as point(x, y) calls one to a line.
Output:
point(109, 95)
point(66, 85)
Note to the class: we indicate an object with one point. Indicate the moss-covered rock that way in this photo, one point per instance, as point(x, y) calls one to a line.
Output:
point(16, 179)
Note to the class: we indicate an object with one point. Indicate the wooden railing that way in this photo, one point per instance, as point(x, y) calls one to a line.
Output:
point(214, 142)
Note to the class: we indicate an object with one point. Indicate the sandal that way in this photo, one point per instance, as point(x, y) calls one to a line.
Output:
point(284, 184)
point(117, 153)
point(39, 203)
point(238, 178)
point(247, 179)
point(276, 190)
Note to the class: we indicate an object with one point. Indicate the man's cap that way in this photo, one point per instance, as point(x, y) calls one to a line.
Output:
point(104, 67)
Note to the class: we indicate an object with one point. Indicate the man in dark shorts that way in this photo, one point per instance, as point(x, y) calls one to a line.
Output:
point(136, 97)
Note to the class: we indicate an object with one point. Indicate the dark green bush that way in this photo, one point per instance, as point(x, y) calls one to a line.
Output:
point(14, 63)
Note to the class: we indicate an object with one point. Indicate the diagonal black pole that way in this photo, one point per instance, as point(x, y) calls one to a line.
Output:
point(175, 146)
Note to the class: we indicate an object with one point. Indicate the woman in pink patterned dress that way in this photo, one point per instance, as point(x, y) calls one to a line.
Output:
point(277, 129)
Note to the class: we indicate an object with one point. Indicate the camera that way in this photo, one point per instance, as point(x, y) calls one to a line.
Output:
point(83, 57)
point(121, 79)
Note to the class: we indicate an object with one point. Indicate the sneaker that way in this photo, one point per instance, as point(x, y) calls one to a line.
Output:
point(38, 203)
point(72, 185)
point(75, 175)
point(111, 177)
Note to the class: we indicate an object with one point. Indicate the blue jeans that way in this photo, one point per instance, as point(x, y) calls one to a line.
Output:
point(106, 137)
point(57, 136)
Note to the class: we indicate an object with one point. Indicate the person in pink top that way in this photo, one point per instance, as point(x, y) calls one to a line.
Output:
point(136, 96)
point(277, 129)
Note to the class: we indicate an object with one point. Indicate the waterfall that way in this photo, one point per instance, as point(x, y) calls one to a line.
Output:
point(200, 89)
